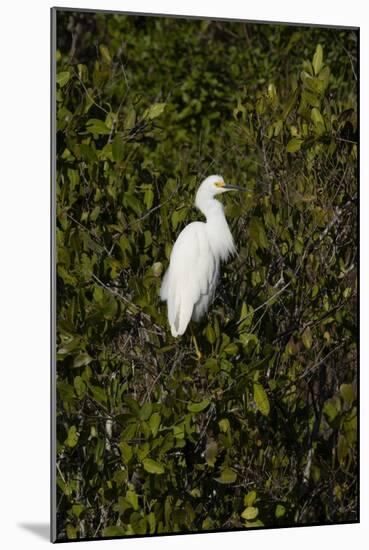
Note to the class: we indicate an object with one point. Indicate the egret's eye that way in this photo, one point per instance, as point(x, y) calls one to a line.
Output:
point(219, 184)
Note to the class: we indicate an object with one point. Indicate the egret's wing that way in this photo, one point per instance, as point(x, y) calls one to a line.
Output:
point(191, 271)
point(202, 305)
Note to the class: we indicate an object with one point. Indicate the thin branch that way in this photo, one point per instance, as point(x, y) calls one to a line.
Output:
point(89, 96)
point(351, 62)
point(149, 212)
point(266, 302)
point(116, 293)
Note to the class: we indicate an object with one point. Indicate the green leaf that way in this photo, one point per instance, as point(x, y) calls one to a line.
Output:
point(272, 93)
point(73, 177)
point(318, 59)
point(88, 153)
point(254, 523)
point(113, 531)
point(71, 532)
point(138, 523)
point(145, 411)
point(130, 201)
point(117, 148)
point(278, 127)
point(307, 338)
point(62, 78)
point(280, 511)
point(211, 452)
point(261, 399)
point(311, 82)
point(198, 407)
point(143, 450)
point(231, 349)
point(66, 276)
point(79, 386)
point(152, 466)
point(316, 117)
point(151, 520)
point(227, 476)
point(176, 218)
point(97, 126)
point(250, 513)
point(154, 423)
point(77, 509)
point(342, 449)
point(257, 232)
point(350, 427)
point(294, 145)
point(98, 393)
point(179, 431)
point(348, 393)
point(224, 425)
point(249, 499)
point(130, 119)
point(331, 408)
point(126, 451)
point(249, 341)
point(95, 213)
point(290, 104)
point(154, 111)
point(149, 198)
point(311, 98)
point(72, 438)
point(132, 498)
point(82, 72)
point(69, 345)
point(81, 360)
point(323, 78)
point(111, 119)
point(105, 53)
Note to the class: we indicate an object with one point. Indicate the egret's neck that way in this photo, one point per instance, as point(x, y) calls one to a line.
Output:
point(211, 208)
point(220, 237)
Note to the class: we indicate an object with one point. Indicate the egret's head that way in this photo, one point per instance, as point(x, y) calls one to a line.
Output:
point(214, 185)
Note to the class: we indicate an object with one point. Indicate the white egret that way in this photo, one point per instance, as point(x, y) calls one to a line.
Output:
point(190, 281)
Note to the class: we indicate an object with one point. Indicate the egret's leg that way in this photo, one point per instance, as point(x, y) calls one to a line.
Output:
point(193, 338)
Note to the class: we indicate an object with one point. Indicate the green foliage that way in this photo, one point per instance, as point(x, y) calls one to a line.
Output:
point(261, 399)
point(261, 430)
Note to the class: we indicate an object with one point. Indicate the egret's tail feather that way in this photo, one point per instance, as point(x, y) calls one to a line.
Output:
point(179, 313)
point(164, 287)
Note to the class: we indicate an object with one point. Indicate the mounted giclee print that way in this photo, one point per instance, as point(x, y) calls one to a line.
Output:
point(204, 224)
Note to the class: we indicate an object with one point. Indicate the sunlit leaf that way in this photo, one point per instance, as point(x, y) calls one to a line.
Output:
point(250, 513)
point(97, 126)
point(198, 407)
point(227, 476)
point(73, 437)
point(155, 110)
point(62, 78)
point(294, 145)
point(261, 399)
point(152, 466)
point(318, 59)
point(81, 360)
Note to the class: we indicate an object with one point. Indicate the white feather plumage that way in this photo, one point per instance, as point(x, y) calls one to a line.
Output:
point(190, 281)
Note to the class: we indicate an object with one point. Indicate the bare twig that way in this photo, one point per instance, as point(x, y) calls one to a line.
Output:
point(89, 95)
point(157, 207)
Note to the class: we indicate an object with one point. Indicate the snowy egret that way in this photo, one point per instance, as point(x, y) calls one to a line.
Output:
point(190, 281)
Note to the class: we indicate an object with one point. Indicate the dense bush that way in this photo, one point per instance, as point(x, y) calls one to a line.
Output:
point(261, 430)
